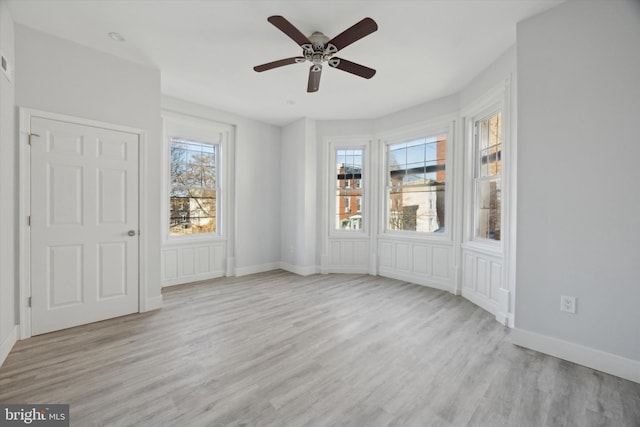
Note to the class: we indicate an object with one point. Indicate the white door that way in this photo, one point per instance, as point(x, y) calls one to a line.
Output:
point(84, 224)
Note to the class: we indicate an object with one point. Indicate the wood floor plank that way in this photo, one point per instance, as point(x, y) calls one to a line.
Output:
point(276, 349)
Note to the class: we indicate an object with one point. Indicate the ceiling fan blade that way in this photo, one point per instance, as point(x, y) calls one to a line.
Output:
point(314, 78)
point(353, 34)
point(352, 67)
point(279, 63)
point(287, 27)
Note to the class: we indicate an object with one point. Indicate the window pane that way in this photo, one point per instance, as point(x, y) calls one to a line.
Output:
point(349, 192)
point(489, 209)
point(488, 182)
point(349, 209)
point(418, 208)
point(490, 145)
point(416, 186)
point(193, 187)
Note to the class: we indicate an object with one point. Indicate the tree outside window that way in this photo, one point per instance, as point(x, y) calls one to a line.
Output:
point(193, 201)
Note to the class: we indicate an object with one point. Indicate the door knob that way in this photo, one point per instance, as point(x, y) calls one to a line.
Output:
point(131, 233)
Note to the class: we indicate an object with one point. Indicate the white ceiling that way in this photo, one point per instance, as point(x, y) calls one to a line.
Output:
point(206, 50)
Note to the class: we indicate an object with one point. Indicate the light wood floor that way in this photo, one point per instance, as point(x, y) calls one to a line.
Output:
point(275, 349)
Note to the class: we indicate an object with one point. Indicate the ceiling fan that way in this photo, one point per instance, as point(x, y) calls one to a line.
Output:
point(318, 49)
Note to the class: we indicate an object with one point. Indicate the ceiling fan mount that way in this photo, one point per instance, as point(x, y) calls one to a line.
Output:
point(319, 49)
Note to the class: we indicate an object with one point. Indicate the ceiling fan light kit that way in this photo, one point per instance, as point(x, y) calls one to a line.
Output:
point(319, 49)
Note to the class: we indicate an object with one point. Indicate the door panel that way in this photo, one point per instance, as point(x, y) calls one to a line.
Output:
point(84, 201)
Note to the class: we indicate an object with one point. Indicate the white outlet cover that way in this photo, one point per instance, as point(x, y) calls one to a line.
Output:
point(6, 67)
point(567, 304)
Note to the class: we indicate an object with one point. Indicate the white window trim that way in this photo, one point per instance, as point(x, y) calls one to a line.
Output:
point(205, 131)
point(434, 127)
point(354, 144)
point(497, 100)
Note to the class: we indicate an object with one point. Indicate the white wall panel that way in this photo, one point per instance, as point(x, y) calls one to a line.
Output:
point(386, 250)
point(468, 272)
point(495, 280)
point(192, 261)
point(441, 260)
point(481, 276)
point(483, 281)
point(424, 263)
point(188, 262)
point(204, 259)
point(219, 256)
point(420, 259)
point(348, 255)
point(401, 255)
point(361, 253)
point(169, 264)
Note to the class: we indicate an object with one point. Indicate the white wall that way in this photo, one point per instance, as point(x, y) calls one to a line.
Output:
point(8, 192)
point(257, 185)
point(64, 77)
point(578, 175)
point(417, 114)
point(298, 200)
point(492, 76)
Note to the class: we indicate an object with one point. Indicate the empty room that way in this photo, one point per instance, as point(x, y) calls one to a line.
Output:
point(320, 213)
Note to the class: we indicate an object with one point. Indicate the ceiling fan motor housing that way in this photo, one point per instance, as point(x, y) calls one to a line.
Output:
point(319, 51)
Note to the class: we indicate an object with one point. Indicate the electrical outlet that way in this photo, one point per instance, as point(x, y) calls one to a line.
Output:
point(568, 304)
point(6, 67)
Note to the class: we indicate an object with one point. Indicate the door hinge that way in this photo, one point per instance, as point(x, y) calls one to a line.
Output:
point(31, 135)
point(29, 301)
point(29, 220)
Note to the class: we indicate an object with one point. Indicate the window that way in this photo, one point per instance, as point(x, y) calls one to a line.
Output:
point(416, 180)
point(349, 191)
point(488, 177)
point(193, 201)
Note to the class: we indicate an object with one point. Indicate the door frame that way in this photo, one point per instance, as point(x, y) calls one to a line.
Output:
point(24, 207)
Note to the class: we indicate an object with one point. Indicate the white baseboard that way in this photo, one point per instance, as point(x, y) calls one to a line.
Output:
point(586, 356)
point(301, 270)
point(253, 269)
point(152, 303)
point(505, 319)
point(8, 343)
point(341, 269)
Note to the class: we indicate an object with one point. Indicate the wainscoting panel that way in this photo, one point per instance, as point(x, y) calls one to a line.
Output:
point(482, 280)
point(420, 262)
point(185, 262)
point(348, 255)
